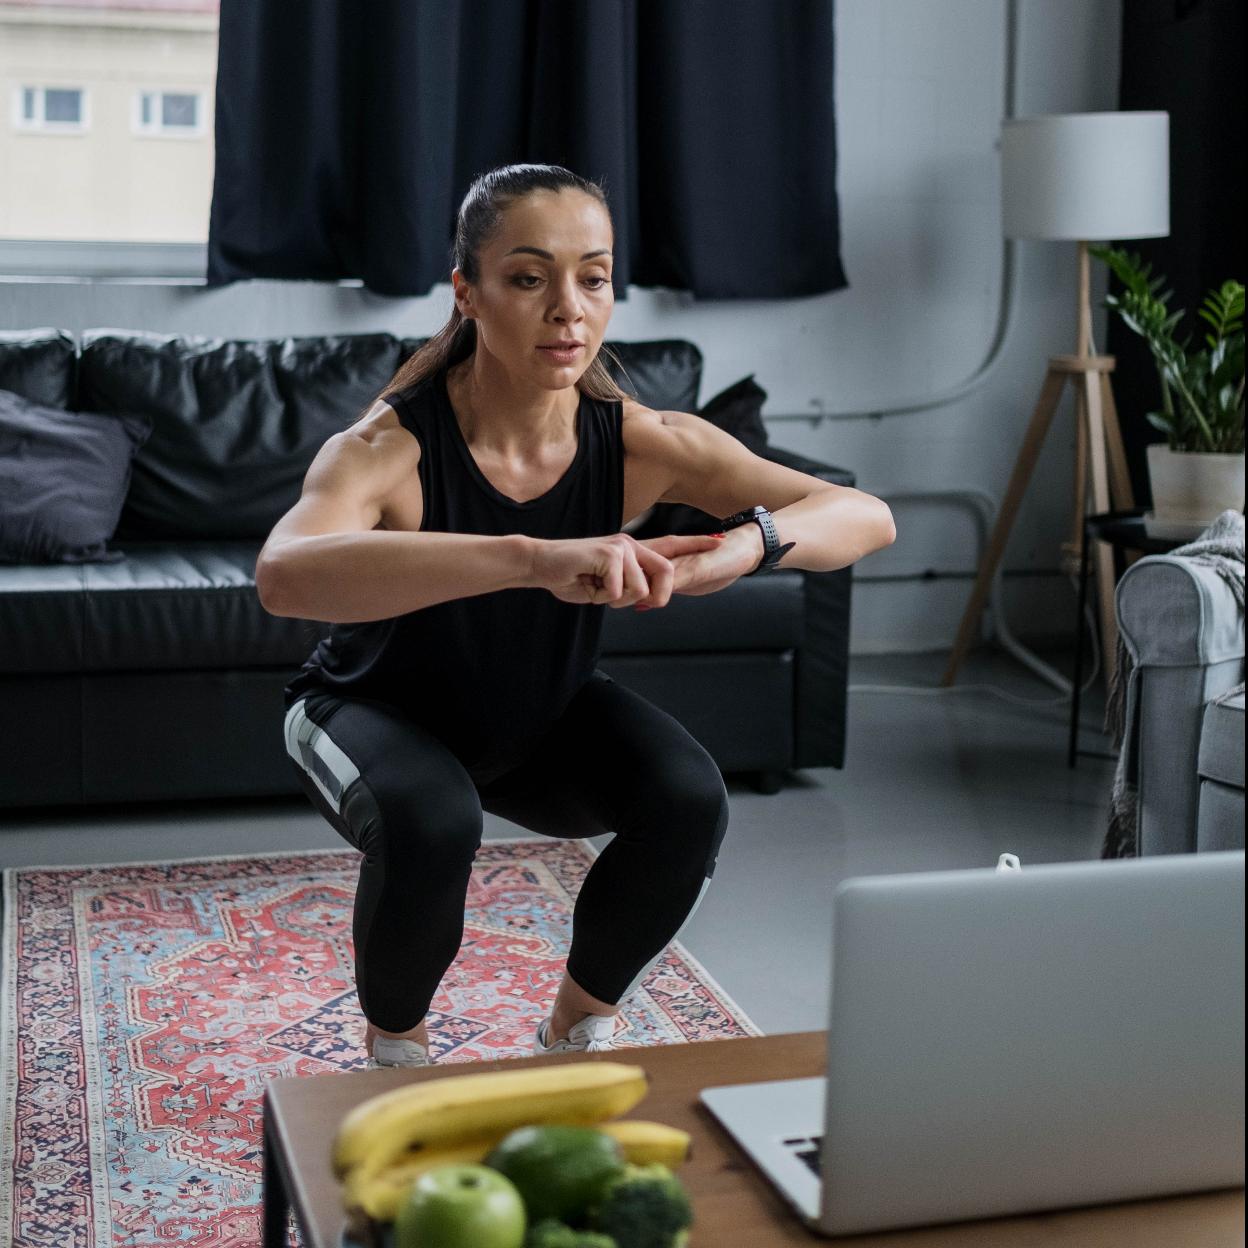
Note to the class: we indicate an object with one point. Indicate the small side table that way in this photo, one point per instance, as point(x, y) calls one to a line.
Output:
point(1123, 530)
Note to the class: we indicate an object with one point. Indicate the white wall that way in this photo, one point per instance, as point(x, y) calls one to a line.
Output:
point(920, 95)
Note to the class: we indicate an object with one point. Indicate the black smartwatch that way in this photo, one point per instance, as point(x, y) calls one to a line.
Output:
point(773, 552)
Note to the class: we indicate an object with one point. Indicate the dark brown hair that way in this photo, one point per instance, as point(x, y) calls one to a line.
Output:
point(479, 216)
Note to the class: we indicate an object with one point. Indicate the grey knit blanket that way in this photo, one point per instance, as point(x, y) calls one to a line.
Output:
point(1220, 546)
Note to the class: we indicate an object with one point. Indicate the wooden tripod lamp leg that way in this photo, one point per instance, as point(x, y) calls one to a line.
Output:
point(1041, 418)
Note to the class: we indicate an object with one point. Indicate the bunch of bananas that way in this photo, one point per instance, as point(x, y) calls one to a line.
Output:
point(385, 1143)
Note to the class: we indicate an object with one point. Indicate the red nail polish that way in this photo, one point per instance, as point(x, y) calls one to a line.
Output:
point(718, 535)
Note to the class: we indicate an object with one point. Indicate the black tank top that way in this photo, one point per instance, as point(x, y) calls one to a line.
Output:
point(490, 673)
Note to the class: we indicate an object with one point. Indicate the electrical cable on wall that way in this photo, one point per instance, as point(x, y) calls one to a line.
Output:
point(988, 506)
point(985, 510)
point(1006, 304)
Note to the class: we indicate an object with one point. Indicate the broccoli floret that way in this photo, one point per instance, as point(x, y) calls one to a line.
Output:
point(644, 1207)
point(551, 1233)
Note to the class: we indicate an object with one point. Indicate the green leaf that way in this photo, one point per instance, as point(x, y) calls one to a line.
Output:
point(1202, 389)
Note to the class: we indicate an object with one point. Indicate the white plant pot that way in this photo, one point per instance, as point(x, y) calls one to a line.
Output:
point(1194, 487)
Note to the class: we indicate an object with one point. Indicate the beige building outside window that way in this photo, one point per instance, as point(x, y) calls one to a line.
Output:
point(106, 143)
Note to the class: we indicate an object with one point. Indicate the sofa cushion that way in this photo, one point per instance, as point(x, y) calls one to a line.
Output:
point(193, 605)
point(63, 479)
point(738, 410)
point(1221, 755)
point(167, 605)
point(753, 613)
point(40, 365)
point(235, 422)
point(664, 374)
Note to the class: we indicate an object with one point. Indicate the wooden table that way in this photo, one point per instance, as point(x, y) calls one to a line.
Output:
point(734, 1204)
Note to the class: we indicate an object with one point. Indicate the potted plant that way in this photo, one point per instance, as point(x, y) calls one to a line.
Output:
point(1198, 471)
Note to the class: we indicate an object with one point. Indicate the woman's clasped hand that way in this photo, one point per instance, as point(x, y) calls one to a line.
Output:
point(619, 571)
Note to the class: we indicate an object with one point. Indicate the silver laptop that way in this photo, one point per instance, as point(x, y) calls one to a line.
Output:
point(1008, 1041)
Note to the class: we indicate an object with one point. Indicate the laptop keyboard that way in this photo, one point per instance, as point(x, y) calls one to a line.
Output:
point(808, 1148)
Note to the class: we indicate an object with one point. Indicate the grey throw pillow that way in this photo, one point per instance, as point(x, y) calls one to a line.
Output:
point(63, 479)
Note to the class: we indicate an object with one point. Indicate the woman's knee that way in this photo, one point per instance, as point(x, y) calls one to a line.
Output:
point(689, 798)
point(422, 825)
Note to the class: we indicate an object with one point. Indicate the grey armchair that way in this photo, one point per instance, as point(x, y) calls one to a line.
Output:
point(1220, 817)
point(1184, 628)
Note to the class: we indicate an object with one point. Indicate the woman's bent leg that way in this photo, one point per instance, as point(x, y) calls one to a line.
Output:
point(396, 793)
point(615, 762)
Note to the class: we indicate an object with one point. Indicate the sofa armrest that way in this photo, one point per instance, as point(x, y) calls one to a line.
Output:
point(823, 663)
point(1174, 612)
point(1184, 631)
point(813, 467)
point(822, 676)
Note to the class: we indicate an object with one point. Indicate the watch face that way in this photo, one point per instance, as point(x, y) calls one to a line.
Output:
point(741, 517)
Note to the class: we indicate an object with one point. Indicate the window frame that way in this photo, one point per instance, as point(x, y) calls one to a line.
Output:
point(158, 130)
point(26, 259)
point(153, 264)
point(41, 126)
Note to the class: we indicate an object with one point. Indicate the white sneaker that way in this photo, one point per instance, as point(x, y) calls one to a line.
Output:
point(392, 1051)
point(592, 1034)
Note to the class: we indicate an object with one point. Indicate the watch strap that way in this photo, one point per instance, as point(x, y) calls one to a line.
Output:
point(773, 551)
point(771, 558)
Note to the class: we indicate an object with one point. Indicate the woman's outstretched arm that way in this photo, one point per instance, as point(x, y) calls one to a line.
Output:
point(325, 559)
point(689, 460)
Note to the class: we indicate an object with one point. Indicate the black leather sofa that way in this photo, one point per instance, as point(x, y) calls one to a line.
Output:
point(159, 676)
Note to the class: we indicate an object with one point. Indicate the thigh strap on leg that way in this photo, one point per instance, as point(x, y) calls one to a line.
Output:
point(311, 747)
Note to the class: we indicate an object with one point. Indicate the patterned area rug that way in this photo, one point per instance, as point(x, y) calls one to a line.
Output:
point(143, 1007)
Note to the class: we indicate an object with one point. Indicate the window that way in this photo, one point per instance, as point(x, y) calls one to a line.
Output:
point(52, 109)
point(107, 154)
point(170, 113)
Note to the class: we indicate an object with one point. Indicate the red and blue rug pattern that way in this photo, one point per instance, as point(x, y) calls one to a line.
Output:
point(145, 1005)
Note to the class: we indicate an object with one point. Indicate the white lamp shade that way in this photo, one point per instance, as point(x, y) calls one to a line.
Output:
point(1086, 176)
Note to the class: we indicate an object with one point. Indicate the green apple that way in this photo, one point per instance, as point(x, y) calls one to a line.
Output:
point(463, 1206)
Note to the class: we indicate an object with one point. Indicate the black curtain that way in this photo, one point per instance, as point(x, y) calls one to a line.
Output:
point(1186, 57)
point(347, 134)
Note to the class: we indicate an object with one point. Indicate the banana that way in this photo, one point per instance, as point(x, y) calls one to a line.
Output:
point(436, 1113)
point(379, 1194)
point(644, 1142)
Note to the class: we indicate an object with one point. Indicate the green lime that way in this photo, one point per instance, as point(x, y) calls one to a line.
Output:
point(559, 1170)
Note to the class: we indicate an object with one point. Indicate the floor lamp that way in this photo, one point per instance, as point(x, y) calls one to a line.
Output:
point(1077, 177)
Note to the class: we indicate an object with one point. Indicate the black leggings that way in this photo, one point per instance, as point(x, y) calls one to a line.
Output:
point(612, 763)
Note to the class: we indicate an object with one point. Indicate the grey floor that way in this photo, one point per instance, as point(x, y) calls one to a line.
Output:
point(932, 781)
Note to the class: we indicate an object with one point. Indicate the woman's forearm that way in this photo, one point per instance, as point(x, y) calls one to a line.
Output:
point(832, 528)
point(348, 578)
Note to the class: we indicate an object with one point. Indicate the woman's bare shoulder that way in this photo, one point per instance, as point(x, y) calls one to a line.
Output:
point(639, 421)
point(646, 430)
point(381, 428)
